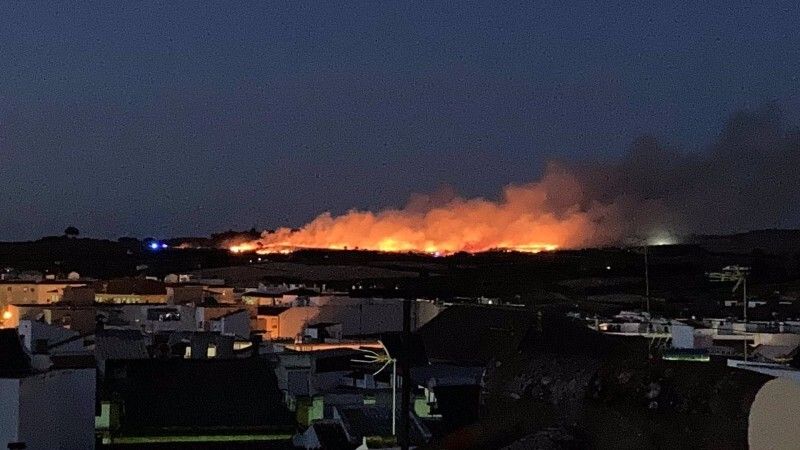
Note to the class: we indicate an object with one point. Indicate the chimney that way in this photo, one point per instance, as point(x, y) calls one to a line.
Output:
point(256, 340)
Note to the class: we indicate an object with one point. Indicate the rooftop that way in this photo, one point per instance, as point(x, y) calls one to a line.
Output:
point(79, 282)
point(231, 313)
point(331, 435)
point(135, 286)
point(194, 394)
point(258, 294)
point(323, 325)
point(271, 310)
point(120, 344)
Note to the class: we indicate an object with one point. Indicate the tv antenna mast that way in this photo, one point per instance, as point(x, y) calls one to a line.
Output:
point(738, 274)
point(384, 359)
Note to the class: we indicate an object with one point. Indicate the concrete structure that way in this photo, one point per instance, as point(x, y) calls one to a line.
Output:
point(234, 323)
point(771, 369)
point(44, 291)
point(323, 434)
point(357, 316)
point(132, 290)
point(304, 374)
point(372, 427)
point(323, 332)
point(37, 336)
point(195, 402)
point(774, 416)
point(82, 319)
point(154, 318)
point(182, 293)
point(50, 409)
point(268, 321)
point(774, 341)
point(78, 295)
point(261, 298)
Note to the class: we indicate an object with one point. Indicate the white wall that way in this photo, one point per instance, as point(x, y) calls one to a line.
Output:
point(9, 406)
point(682, 336)
point(773, 416)
point(31, 330)
point(785, 339)
point(357, 315)
point(236, 324)
point(57, 410)
point(137, 316)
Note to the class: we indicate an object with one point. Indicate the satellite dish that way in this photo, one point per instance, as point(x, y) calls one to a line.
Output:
point(171, 278)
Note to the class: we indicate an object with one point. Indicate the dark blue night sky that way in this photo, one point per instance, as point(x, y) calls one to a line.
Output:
point(181, 118)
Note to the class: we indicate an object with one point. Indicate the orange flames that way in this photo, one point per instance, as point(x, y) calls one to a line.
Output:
point(533, 217)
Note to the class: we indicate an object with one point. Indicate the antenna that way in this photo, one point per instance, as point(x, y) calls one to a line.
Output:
point(739, 275)
point(373, 357)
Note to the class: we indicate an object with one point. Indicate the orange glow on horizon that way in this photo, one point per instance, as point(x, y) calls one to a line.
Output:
point(388, 248)
point(551, 214)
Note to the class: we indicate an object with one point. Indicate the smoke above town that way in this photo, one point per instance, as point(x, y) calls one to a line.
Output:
point(653, 194)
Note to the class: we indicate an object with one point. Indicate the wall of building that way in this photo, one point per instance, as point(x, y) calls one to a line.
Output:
point(184, 294)
point(9, 405)
point(131, 298)
point(291, 362)
point(137, 316)
point(57, 409)
point(81, 319)
point(30, 331)
point(272, 326)
point(357, 316)
point(50, 410)
point(222, 294)
point(773, 416)
point(237, 324)
point(44, 292)
point(784, 339)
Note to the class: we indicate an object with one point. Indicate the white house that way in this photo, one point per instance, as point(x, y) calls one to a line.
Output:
point(46, 410)
point(234, 323)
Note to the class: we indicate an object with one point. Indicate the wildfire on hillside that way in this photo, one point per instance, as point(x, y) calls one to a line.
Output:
point(535, 217)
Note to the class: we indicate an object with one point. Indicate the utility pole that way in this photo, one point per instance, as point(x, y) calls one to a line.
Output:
point(744, 297)
point(394, 398)
point(406, 375)
point(646, 279)
point(372, 357)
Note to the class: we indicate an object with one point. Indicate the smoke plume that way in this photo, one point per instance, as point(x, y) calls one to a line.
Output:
point(745, 180)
